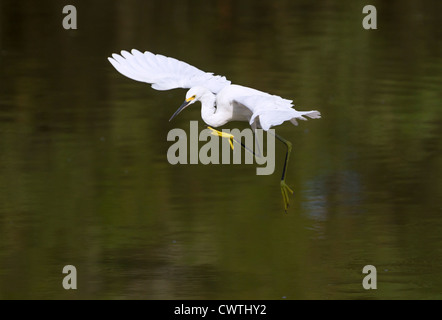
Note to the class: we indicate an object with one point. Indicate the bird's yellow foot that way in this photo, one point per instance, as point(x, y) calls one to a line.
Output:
point(286, 191)
point(223, 135)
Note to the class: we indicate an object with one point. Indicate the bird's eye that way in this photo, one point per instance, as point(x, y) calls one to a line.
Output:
point(194, 96)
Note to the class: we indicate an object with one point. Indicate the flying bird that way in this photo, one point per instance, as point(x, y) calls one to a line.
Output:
point(221, 100)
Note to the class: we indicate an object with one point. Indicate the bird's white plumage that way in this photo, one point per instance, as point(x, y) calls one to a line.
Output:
point(164, 73)
point(271, 110)
point(221, 101)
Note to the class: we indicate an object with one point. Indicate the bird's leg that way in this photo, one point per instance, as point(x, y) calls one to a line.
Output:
point(285, 189)
point(231, 140)
point(223, 135)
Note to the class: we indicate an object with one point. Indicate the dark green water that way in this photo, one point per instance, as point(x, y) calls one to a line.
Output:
point(85, 181)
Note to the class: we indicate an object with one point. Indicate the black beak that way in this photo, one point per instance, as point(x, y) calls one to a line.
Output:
point(183, 106)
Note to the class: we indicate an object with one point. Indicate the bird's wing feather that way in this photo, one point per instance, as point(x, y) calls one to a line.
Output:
point(164, 73)
point(272, 110)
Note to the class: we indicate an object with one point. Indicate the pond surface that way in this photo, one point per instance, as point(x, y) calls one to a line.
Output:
point(85, 181)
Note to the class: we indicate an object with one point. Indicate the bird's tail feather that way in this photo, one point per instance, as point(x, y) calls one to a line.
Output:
point(311, 114)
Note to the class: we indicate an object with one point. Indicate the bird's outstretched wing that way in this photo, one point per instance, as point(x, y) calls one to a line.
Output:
point(164, 73)
point(270, 110)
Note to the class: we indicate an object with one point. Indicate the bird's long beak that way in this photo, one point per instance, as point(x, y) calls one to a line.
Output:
point(182, 107)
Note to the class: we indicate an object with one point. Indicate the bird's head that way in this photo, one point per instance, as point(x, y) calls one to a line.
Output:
point(192, 96)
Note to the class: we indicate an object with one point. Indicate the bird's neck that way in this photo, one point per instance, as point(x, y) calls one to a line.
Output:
point(208, 110)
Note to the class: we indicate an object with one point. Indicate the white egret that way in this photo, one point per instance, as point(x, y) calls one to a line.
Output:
point(221, 101)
